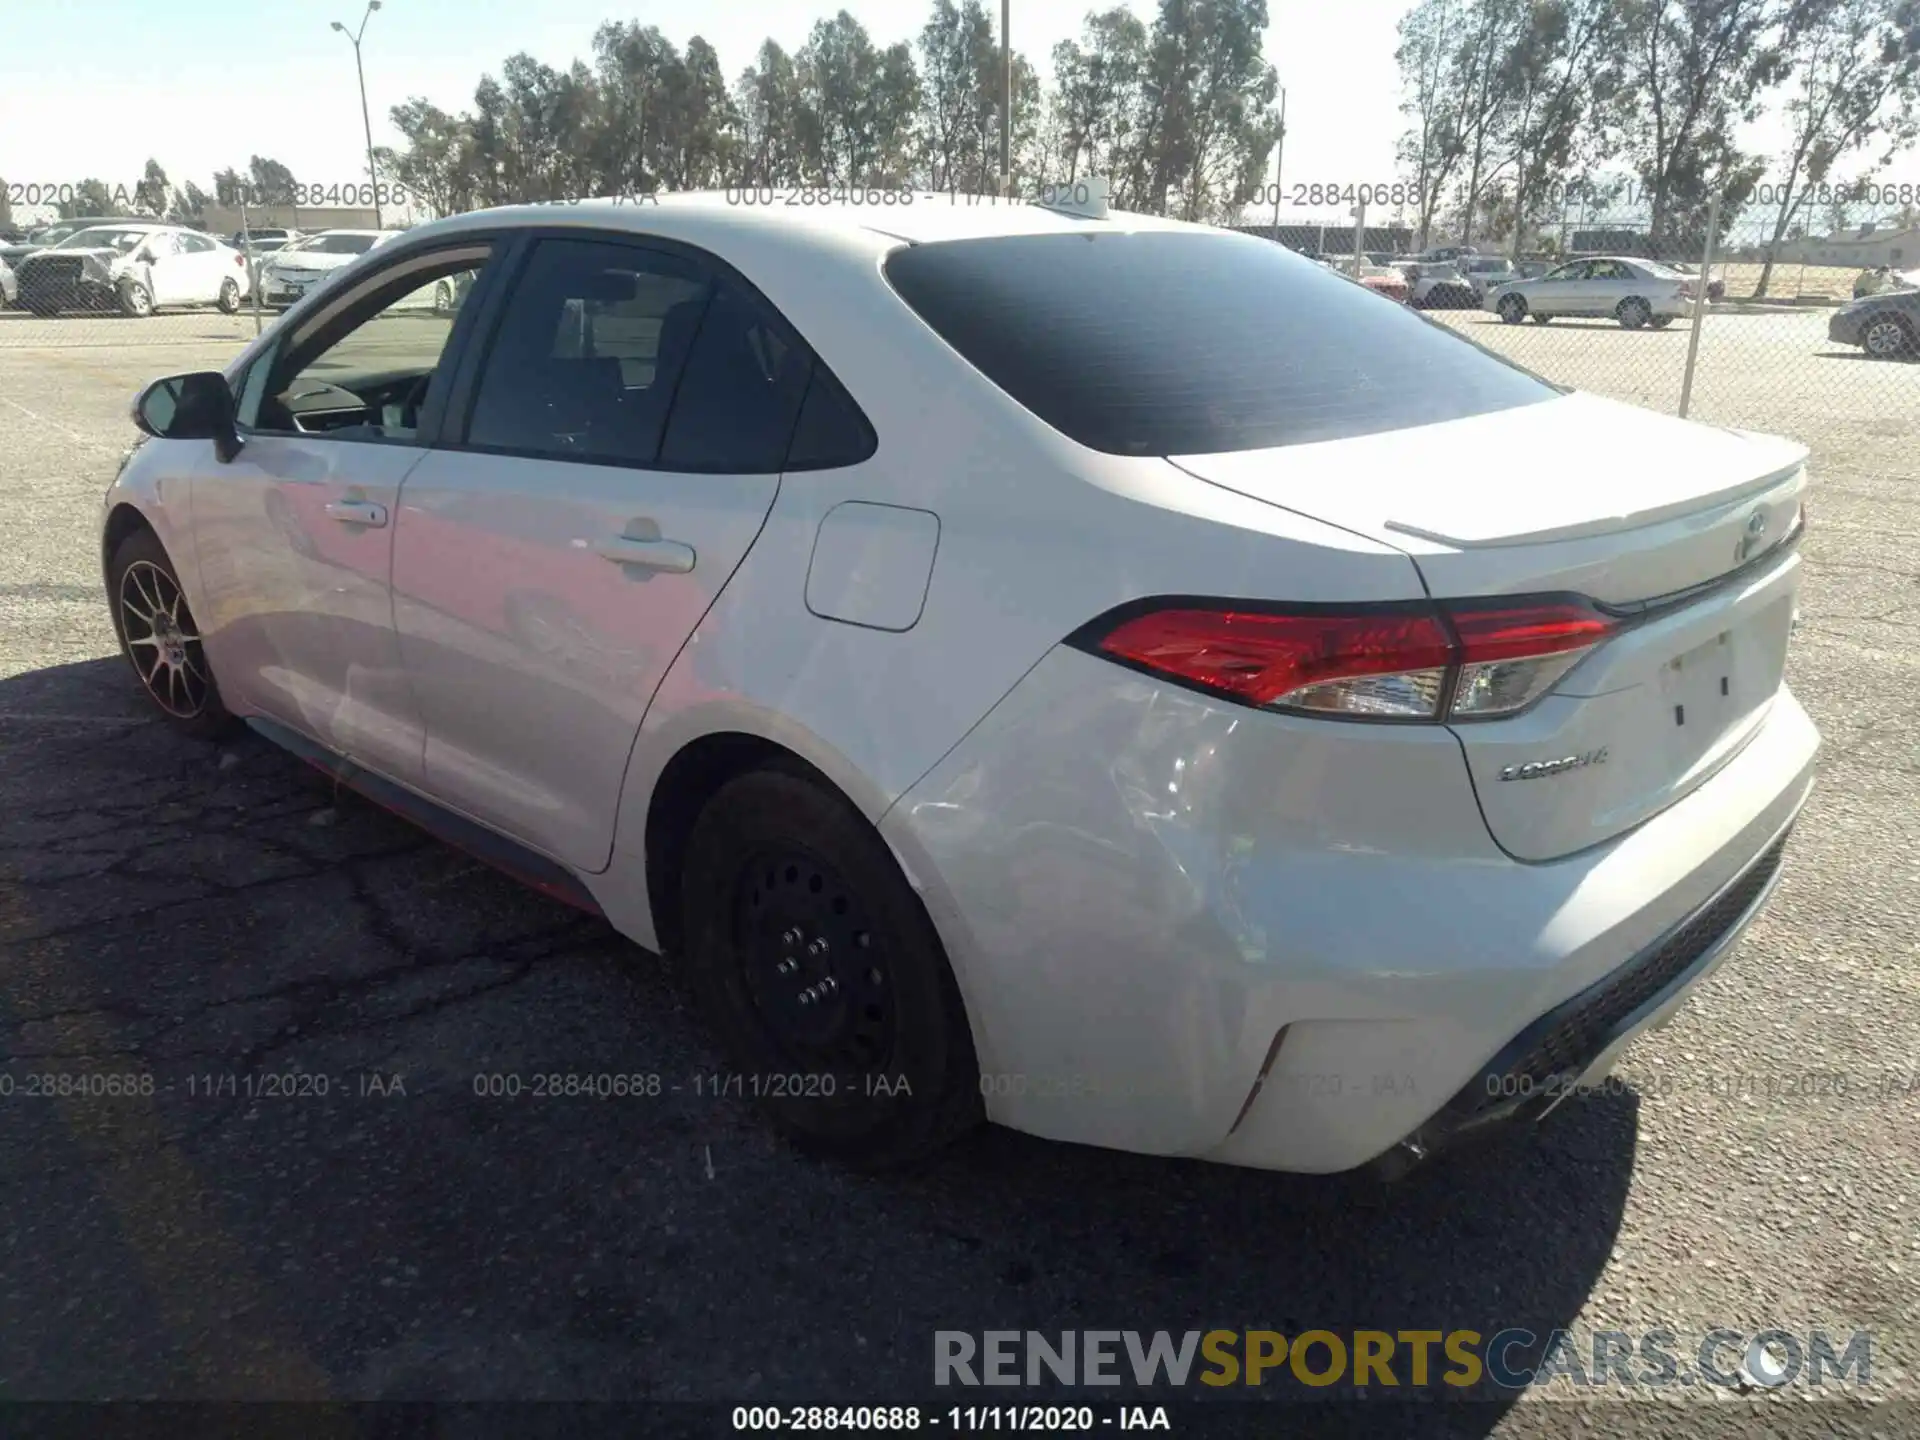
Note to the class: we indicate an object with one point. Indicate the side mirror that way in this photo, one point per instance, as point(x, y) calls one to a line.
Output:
point(190, 407)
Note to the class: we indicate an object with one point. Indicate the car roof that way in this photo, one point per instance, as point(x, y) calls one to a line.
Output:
point(709, 218)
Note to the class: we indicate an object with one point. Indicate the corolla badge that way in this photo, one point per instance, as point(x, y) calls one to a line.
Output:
point(1539, 769)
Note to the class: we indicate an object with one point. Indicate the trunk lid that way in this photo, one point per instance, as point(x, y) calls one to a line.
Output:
point(1678, 527)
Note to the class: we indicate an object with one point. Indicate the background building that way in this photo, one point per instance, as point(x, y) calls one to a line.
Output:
point(220, 220)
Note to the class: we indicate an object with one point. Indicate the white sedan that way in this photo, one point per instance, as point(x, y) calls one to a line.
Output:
point(1098, 674)
point(133, 266)
point(297, 267)
point(1635, 292)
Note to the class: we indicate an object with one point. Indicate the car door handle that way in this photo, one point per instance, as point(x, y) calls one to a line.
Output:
point(357, 512)
point(668, 555)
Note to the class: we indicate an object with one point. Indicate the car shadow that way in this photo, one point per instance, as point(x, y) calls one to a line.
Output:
point(219, 921)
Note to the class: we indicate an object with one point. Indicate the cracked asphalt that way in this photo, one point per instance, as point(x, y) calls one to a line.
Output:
point(190, 926)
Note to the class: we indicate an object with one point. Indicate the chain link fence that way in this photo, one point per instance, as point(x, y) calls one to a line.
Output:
point(1780, 345)
point(1829, 330)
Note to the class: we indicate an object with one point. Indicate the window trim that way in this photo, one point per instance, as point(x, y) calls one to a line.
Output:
point(511, 267)
point(489, 246)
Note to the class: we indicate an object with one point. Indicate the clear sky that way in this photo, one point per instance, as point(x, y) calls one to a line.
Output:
point(95, 87)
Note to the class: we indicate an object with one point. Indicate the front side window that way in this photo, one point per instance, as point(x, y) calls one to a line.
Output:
point(195, 244)
point(364, 371)
point(1194, 342)
point(590, 345)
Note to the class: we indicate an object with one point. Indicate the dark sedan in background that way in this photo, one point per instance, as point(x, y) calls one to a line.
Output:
point(1886, 326)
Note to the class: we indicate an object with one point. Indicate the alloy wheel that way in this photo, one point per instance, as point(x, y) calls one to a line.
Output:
point(1885, 339)
point(163, 640)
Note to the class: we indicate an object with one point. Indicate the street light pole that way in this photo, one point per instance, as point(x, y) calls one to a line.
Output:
point(373, 177)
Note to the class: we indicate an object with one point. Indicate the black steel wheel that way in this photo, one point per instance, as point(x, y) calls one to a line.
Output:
point(161, 639)
point(817, 965)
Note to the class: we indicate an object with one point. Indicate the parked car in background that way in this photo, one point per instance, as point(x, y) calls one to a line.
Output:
point(9, 286)
point(1637, 293)
point(13, 250)
point(271, 238)
point(1716, 288)
point(1885, 325)
point(1439, 285)
point(135, 267)
point(641, 595)
point(1483, 272)
point(1442, 254)
point(291, 271)
point(1381, 279)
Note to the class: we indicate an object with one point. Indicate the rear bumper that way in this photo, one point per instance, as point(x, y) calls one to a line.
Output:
point(1182, 927)
point(1575, 1044)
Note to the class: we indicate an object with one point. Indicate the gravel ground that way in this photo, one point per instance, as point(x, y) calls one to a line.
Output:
point(174, 912)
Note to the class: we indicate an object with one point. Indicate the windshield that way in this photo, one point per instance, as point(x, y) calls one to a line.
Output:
point(1225, 343)
point(103, 237)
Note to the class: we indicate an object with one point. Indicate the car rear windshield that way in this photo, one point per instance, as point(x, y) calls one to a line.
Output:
point(1194, 343)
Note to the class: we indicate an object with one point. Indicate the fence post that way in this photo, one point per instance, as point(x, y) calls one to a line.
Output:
point(1700, 302)
point(253, 267)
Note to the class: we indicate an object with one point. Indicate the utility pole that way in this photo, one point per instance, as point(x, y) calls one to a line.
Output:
point(373, 178)
point(1006, 100)
point(1279, 154)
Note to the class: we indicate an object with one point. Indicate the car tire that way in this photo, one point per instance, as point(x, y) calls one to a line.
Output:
point(135, 300)
point(1633, 313)
point(229, 301)
point(161, 639)
point(787, 893)
point(443, 297)
point(1889, 337)
point(1513, 308)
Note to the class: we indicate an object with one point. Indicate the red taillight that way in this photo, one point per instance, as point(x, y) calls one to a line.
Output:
point(1474, 660)
point(239, 260)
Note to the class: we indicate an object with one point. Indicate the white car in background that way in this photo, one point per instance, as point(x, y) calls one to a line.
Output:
point(133, 266)
point(290, 272)
point(1439, 285)
point(1101, 674)
point(1638, 293)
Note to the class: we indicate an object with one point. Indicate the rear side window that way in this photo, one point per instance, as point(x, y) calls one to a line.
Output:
point(1190, 343)
point(739, 394)
point(832, 432)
